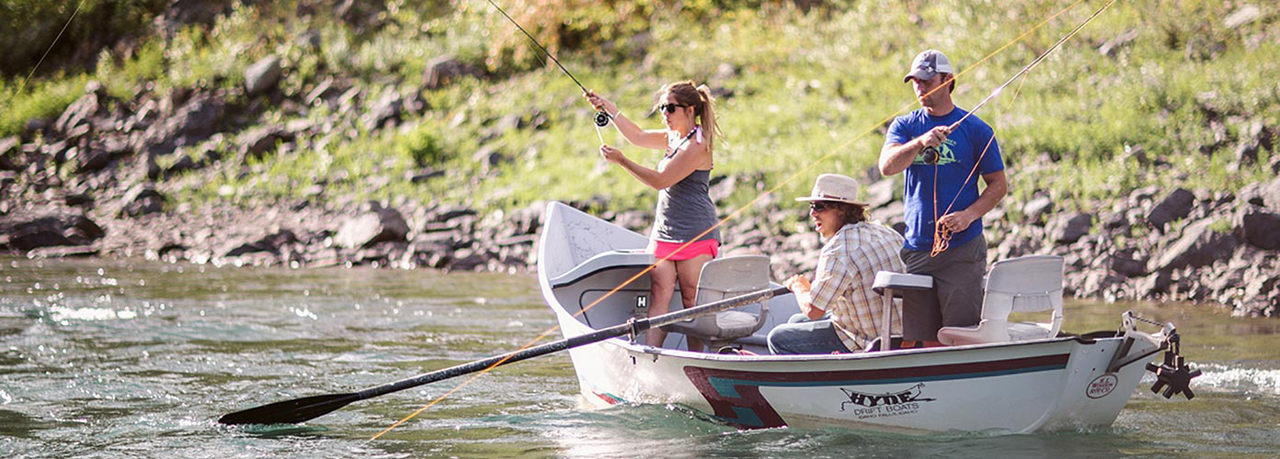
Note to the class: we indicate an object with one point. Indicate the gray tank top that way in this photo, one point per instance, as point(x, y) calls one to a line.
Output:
point(685, 209)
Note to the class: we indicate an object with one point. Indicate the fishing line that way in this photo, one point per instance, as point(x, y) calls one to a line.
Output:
point(839, 148)
point(602, 118)
point(942, 236)
point(933, 151)
point(47, 51)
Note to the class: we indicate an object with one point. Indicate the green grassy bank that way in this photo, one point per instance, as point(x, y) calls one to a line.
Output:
point(806, 92)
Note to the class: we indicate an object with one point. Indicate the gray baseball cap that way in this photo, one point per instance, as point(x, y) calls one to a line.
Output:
point(928, 63)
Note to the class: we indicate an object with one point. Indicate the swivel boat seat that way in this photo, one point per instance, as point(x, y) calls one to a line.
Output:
point(725, 278)
point(1024, 284)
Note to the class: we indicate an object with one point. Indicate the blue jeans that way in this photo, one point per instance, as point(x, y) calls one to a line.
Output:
point(802, 335)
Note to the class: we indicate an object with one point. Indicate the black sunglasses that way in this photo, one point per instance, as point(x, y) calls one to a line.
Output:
point(819, 206)
point(670, 108)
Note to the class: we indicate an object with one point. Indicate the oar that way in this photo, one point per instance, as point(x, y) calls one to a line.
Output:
point(307, 408)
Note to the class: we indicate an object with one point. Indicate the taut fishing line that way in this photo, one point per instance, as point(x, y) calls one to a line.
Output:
point(941, 235)
point(602, 118)
point(932, 152)
point(46, 51)
point(744, 207)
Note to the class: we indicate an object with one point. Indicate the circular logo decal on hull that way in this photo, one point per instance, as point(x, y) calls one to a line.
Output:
point(1102, 386)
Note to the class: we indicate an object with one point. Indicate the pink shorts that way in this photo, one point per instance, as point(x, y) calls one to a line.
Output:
point(668, 250)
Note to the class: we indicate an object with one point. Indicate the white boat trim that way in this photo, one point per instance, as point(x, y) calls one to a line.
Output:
point(1026, 386)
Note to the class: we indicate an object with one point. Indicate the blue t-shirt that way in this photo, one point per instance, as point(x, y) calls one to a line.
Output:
point(956, 158)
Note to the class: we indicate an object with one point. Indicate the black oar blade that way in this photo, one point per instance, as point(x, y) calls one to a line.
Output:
point(290, 411)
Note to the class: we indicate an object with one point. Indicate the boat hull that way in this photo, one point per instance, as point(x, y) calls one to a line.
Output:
point(1049, 384)
point(1025, 387)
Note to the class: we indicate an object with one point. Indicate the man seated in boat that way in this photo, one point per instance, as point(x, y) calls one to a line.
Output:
point(839, 311)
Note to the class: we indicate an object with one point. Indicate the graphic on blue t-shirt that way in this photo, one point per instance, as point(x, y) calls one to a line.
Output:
point(945, 155)
point(957, 189)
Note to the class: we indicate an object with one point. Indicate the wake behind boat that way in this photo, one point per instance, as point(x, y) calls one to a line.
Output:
point(1015, 378)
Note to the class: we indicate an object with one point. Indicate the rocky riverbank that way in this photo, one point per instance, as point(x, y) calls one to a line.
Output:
point(89, 185)
point(103, 179)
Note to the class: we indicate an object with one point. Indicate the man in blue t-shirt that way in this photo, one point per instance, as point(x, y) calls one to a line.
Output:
point(941, 196)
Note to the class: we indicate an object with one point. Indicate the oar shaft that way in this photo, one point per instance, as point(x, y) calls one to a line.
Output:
point(639, 326)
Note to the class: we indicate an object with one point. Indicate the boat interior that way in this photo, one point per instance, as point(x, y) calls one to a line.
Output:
point(591, 292)
point(597, 272)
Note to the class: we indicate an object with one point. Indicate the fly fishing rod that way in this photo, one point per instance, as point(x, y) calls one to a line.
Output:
point(602, 118)
point(931, 153)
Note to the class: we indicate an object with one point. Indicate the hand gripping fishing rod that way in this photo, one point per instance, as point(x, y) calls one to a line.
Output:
point(602, 118)
point(931, 153)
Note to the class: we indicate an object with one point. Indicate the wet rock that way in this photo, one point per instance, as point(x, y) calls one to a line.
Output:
point(1199, 246)
point(83, 108)
point(262, 76)
point(387, 109)
point(722, 187)
point(142, 200)
point(1037, 208)
point(49, 230)
point(1242, 16)
point(1127, 263)
point(1072, 229)
point(272, 243)
point(1253, 138)
point(92, 160)
point(179, 13)
point(34, 126)
point(183, 164)
point(1155, 284)
point(1262, 229)
point(259, 141)
point(191, 123)
point(74, 251)
point(8, 145)
point(467, 260)
point(489, 157)
point(880, 194)
point(39, 232)
point(444, 69)
point(375, 225)
point(360, 13)
point(526, 221)
point(1263, 194)
point(1110, 47)
point(424, 175)
point(1176, 206)
point(82, 230)
point(78, 199)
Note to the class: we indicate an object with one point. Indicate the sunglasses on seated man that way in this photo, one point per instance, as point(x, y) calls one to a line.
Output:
point(820, 206)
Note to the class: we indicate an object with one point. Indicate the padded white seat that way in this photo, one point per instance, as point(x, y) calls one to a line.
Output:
point(725, 278)
point(1024, 284)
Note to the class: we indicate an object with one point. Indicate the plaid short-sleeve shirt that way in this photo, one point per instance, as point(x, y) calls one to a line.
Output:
point(847, 267)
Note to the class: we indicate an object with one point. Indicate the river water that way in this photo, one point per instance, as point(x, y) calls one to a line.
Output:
point(120, 359)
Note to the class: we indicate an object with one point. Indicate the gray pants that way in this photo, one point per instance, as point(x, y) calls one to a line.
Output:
point(956, 299)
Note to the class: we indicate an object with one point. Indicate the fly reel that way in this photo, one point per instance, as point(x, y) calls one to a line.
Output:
point(929, 155)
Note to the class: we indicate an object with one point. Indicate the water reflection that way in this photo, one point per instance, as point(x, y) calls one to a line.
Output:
point(123, 359)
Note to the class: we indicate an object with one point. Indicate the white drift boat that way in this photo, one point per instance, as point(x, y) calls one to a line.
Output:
point(1009, 381)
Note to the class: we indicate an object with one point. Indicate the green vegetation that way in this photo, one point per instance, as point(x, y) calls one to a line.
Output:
point(810, 92)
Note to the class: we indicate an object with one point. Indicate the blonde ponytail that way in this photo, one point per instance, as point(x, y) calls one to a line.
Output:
point(704, 106)
point(708, 113)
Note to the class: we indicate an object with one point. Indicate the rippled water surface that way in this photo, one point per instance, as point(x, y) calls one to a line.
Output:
point(135, 359)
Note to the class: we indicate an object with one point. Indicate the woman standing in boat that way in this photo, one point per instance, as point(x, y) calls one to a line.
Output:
point(684, 236)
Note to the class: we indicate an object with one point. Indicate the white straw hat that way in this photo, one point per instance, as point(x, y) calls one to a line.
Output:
point(834, 187)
